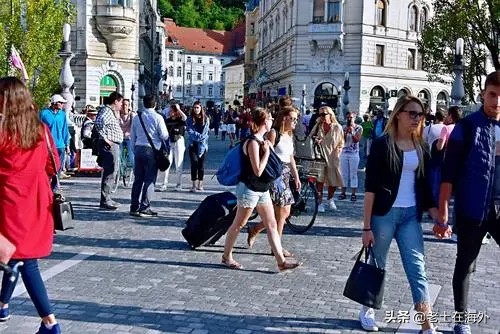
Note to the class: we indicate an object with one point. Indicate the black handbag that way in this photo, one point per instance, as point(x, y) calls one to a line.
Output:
point(161, 155)
point(365, 284)
point(62, 209)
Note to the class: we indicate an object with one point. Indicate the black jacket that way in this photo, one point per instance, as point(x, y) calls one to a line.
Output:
point(382, 180)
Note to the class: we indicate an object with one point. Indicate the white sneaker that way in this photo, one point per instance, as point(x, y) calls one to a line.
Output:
point(178, 187)
point(486, 240)
point(332, 205)
point(454, 237)
point(321, 208)
point(367, 319)
point(163, 188)
point(430, 331)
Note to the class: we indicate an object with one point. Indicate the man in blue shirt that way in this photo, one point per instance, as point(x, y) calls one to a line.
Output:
point(55, 118)
point(148, 123)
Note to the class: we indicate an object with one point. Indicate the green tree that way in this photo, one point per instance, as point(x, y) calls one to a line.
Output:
point(166, 8)
point(34, 27)
point(478, 23)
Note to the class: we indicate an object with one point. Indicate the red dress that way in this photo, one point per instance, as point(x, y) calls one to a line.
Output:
point(26, 198)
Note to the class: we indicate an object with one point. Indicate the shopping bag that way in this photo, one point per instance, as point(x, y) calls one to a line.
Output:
point(365, 284)
point(63, 213)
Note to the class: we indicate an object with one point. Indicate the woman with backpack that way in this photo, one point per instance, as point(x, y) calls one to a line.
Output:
point(176, 126)
point(281, 193)
point(253, 192)
point(198, 128)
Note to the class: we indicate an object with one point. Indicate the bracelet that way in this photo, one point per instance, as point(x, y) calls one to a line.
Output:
point(367, 229)
point(439, 224)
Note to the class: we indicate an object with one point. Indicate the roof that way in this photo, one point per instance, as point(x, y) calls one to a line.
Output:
point(238, 61)
point(198, 40)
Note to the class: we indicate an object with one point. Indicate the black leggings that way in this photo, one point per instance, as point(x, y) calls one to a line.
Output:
point(197, 163)
point(470, 236)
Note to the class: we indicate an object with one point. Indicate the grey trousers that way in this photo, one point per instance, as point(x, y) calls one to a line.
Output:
point(110, 163)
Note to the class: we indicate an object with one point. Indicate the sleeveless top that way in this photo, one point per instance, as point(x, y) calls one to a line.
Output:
point(252, 181)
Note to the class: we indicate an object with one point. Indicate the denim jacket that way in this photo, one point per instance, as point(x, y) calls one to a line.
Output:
point(196, 137)
point(469, 164)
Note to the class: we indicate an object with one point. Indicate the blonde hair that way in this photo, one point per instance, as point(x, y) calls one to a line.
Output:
point(391, 130)
point(330, 112)
point(19, 123)
point(279, 123)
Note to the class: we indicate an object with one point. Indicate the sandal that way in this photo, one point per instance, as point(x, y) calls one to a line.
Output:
point(252, 235)
point(289, 265)
point(342, 196)
point(353, 198)
point(231, 264)
point(285, 253)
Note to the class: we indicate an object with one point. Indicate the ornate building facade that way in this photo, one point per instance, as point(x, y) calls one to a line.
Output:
point(318, 44)
point(112, 42)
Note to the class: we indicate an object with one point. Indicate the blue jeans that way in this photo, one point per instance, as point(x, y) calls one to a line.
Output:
point(130, 149)
point(145, 172)
point(34, 285)
point(402, 224)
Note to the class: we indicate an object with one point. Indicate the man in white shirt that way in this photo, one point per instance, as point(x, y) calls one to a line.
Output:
point(432, 132)
point(146, 123)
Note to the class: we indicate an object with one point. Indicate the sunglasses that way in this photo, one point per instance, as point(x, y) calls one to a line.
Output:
point(323, 114)
point(294, 119)
point(413, 114)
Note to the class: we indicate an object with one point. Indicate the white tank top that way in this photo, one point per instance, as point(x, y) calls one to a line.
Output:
point(284, 149)
point(406, 192)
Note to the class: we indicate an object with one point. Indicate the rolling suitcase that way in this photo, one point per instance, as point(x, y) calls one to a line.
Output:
point(205, 224)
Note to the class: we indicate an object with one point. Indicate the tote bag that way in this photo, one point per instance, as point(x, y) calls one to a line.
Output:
point(365, 284)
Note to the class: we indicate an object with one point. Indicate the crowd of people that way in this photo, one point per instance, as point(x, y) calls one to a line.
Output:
point(410, 169)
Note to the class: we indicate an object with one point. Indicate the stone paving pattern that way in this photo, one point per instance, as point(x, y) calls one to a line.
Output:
point(144, 278)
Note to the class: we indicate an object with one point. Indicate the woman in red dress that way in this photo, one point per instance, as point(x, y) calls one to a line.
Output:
point(25, 196)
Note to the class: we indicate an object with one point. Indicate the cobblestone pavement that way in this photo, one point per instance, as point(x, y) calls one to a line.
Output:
point(114, 273)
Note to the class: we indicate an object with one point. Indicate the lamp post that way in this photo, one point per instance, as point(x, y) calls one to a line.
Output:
point(457, 89)
point(142, 91)
point(132, 89)
point(386, 102)
point(340, 115)
point(345, 99)
point(66, 79)
point(303, 104)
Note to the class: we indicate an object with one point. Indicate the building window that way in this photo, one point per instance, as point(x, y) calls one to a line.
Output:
point(179, 71)
point(124, 3)
point(210, 76)
point(221, 91)
point(412, 21)
point(319, 11)
point(170, 71)
point(291, 55)
point(222, 61)
point(222, 76)
point(411, 59)
point(188, 75)
point(252, 54)
point(423, 19)
point(419, 61)
point(198, 90)
point(188, 90)
point(199, 60)
point(333, 11)
point(271, 27)
point(285, 14)
point(188, 59)
point(380, 12)
point(278, 26)
point(198, 75)
point(379, 55)
point(179, 57)
point(252, 28)
point(178, 89)
point(285, 58)
point(210, 91)
point(171, 56)
point(210, 60)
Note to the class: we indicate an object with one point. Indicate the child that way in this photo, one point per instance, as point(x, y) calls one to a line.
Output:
point(223, 130)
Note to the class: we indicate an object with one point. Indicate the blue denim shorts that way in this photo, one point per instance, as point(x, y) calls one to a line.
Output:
point(248, 198)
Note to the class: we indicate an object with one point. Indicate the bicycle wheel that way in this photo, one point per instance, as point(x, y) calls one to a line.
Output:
point(303, 212)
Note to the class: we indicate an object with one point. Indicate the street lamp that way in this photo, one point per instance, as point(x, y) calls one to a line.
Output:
point(457, 89)
point(385, 98)
point(340, 115)
point(345, 100)
point(142, 91)
point(66, 79)
point(303, 104)
point(132, 89)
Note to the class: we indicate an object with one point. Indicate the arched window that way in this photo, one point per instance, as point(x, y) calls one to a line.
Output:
point(411, 59)
point(171, 56)
point(423, 19)
point(278, 26)
point(285, 13)
point(413, 18)
point(380, 13)
point(271, 27)
point(403, 92)
point(424, 96)
point(170, 71)
point(442, 101)
point(179, 71)
point(291, 14)
point(108, 85)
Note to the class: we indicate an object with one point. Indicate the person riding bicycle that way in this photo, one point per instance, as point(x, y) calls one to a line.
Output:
point(126, 116)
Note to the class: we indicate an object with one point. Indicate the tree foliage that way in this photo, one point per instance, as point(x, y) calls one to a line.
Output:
point(34, 27)
point(478, 23)
point(211, 14)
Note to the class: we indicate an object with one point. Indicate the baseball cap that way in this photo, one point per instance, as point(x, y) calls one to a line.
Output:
point(57, 98)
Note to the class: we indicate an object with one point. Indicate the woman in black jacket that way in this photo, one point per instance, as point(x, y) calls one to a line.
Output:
point(397, 191)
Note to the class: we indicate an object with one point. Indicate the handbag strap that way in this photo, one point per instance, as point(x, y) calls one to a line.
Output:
point(51, 153)
point(147, 134)
point(368, 251)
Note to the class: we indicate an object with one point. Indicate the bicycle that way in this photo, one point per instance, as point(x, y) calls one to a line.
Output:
point(305, 209)
point(125, 169)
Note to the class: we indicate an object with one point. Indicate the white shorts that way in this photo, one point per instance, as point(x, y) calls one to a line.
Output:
point(231, 128)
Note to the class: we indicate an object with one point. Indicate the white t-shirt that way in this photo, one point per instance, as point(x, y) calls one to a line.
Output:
point(406, 192)
point(284, 149)
point(432, 132)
